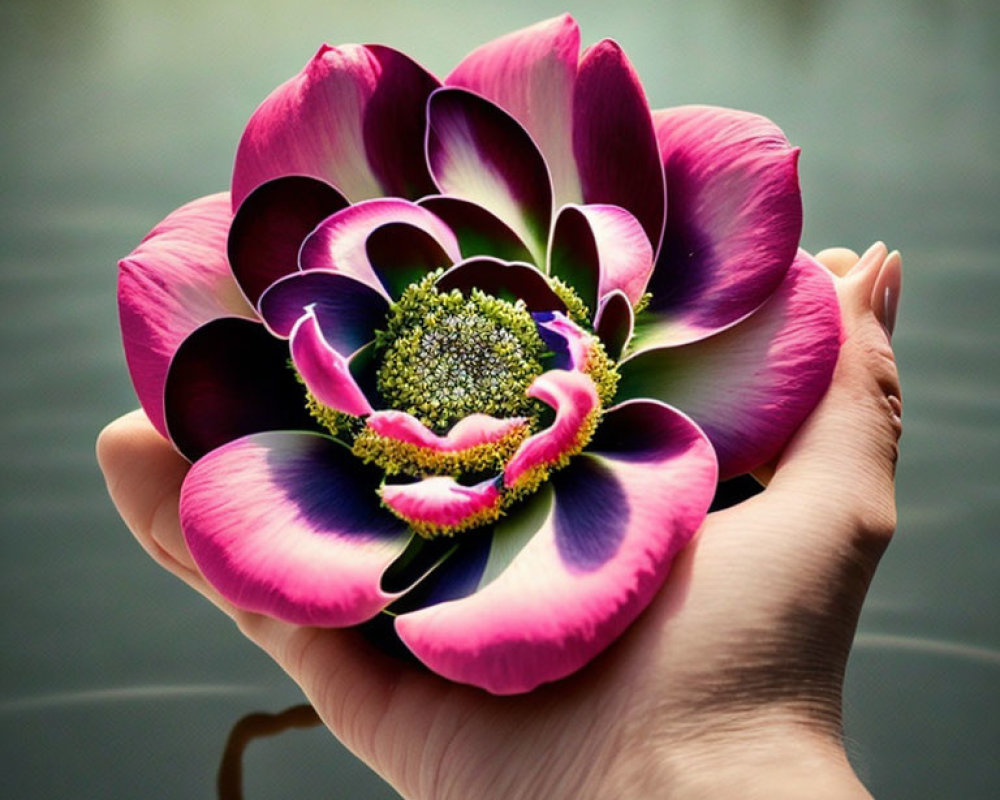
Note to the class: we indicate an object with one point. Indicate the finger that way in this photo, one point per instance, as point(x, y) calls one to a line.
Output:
point(837, 259)
point(144, 475)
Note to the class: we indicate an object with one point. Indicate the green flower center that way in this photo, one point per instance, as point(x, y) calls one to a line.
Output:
point(445, 356)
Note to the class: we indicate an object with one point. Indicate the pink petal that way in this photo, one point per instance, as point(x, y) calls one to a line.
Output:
point(471, 431)
point(567, 340)
point(289, 524)
point(229, 378)
point(734, 222)
point(577, 565)
point(339, 243)
point(530, 74)
point(326, 372)
point(353, 117)
point(477, 152)
point(613, 139)
point(751, 386)
point(176, 280)
point(574, 398)
point(440, 502)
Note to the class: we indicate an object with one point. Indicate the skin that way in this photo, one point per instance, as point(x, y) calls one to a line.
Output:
point(728, 685)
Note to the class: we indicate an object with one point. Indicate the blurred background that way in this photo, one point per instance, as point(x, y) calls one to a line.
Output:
point(117, 681)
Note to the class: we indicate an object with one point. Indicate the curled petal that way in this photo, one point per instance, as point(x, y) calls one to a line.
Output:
point(751, 386)
point(442, 505)
point(568, 341)
point(477, 152)
point(471, 431)
point(339, 243)
point(479, 232)
point(289, 524)
point(613, 139)
point(530, 73)
point(325, 371)
point(230, 377)
point(614, 323)
point(569, 571)
point(353, 117)
point(734, 221)
point(271, 224)
point(574, 398)
point(176, 280)
point(509, 282)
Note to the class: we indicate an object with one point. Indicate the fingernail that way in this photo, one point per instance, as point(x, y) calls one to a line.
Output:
point(873, 255)
point(885, 295)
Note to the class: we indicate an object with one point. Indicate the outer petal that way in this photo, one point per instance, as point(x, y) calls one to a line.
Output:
point(230, 377)
point(353, 117)
point(177, 279)
point(734, 222)
point(326, 372)
point(477, 152)
point(289, 524)
point(613, 139)
point(271, 224)
point(571, 570)
point(340, 242)
point(751, 386)
point(530, 74)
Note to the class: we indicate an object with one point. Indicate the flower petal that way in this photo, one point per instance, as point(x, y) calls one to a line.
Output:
point(572, 569)
point(402, 254)
point(734, 222)
point(613, 139)
point(569, 343)
point(340, 242)
point(289, 524)
point(574, 398)
point(509, 282)
point(751, 386)
point(177, 279)
point(347, 310)
point(230, 377)
point(271, 224)
point(325, 371)
point(441, 503)
point(471, 431)
point(614, 323)
point(530, 74)
point(477, 152)
point(353, 117)
point(479, 232)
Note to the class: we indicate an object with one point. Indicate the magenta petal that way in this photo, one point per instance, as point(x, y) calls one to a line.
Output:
point(477, 152)
point(440, 502)
point(530, 74)
point(751, 386)
point(509, 282)
point(347, 310)
point(230, 377)
point(270, 226)
point(176, 280)
point(353, 117)
point(479, 232)
point(469, 432)
point(585, 563)
point(340, 242)
point(734, 222)
point(569, 343)
point(326, 372)
point(289, 525)
point(613, 139)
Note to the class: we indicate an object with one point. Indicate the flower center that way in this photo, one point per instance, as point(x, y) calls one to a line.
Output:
point(445, 356)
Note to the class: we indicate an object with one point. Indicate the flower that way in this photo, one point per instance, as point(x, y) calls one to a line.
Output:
point(475, 353)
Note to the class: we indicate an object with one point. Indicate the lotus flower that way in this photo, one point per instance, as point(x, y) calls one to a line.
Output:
point(475, 353)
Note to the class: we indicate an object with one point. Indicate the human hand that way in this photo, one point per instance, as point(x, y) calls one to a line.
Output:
point(728, 684)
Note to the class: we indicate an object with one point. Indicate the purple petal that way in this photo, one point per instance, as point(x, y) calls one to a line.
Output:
point(339, 243)
point(289, 525)
point(752, 385)
point(509, 282)
point(734, 222)
point(530, 74)
point(176, 280)
point(402, 254)
point(347, 310)
point(271, 224)
point(614, 322)
point(572, 569)
point(613, 139)
point(477, 152)
point(326, 372)
point(230, 377)
point(353, 117)
point(569, 343)
point(479, 232)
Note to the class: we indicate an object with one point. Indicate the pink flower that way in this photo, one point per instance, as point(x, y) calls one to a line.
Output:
point(476, 352)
